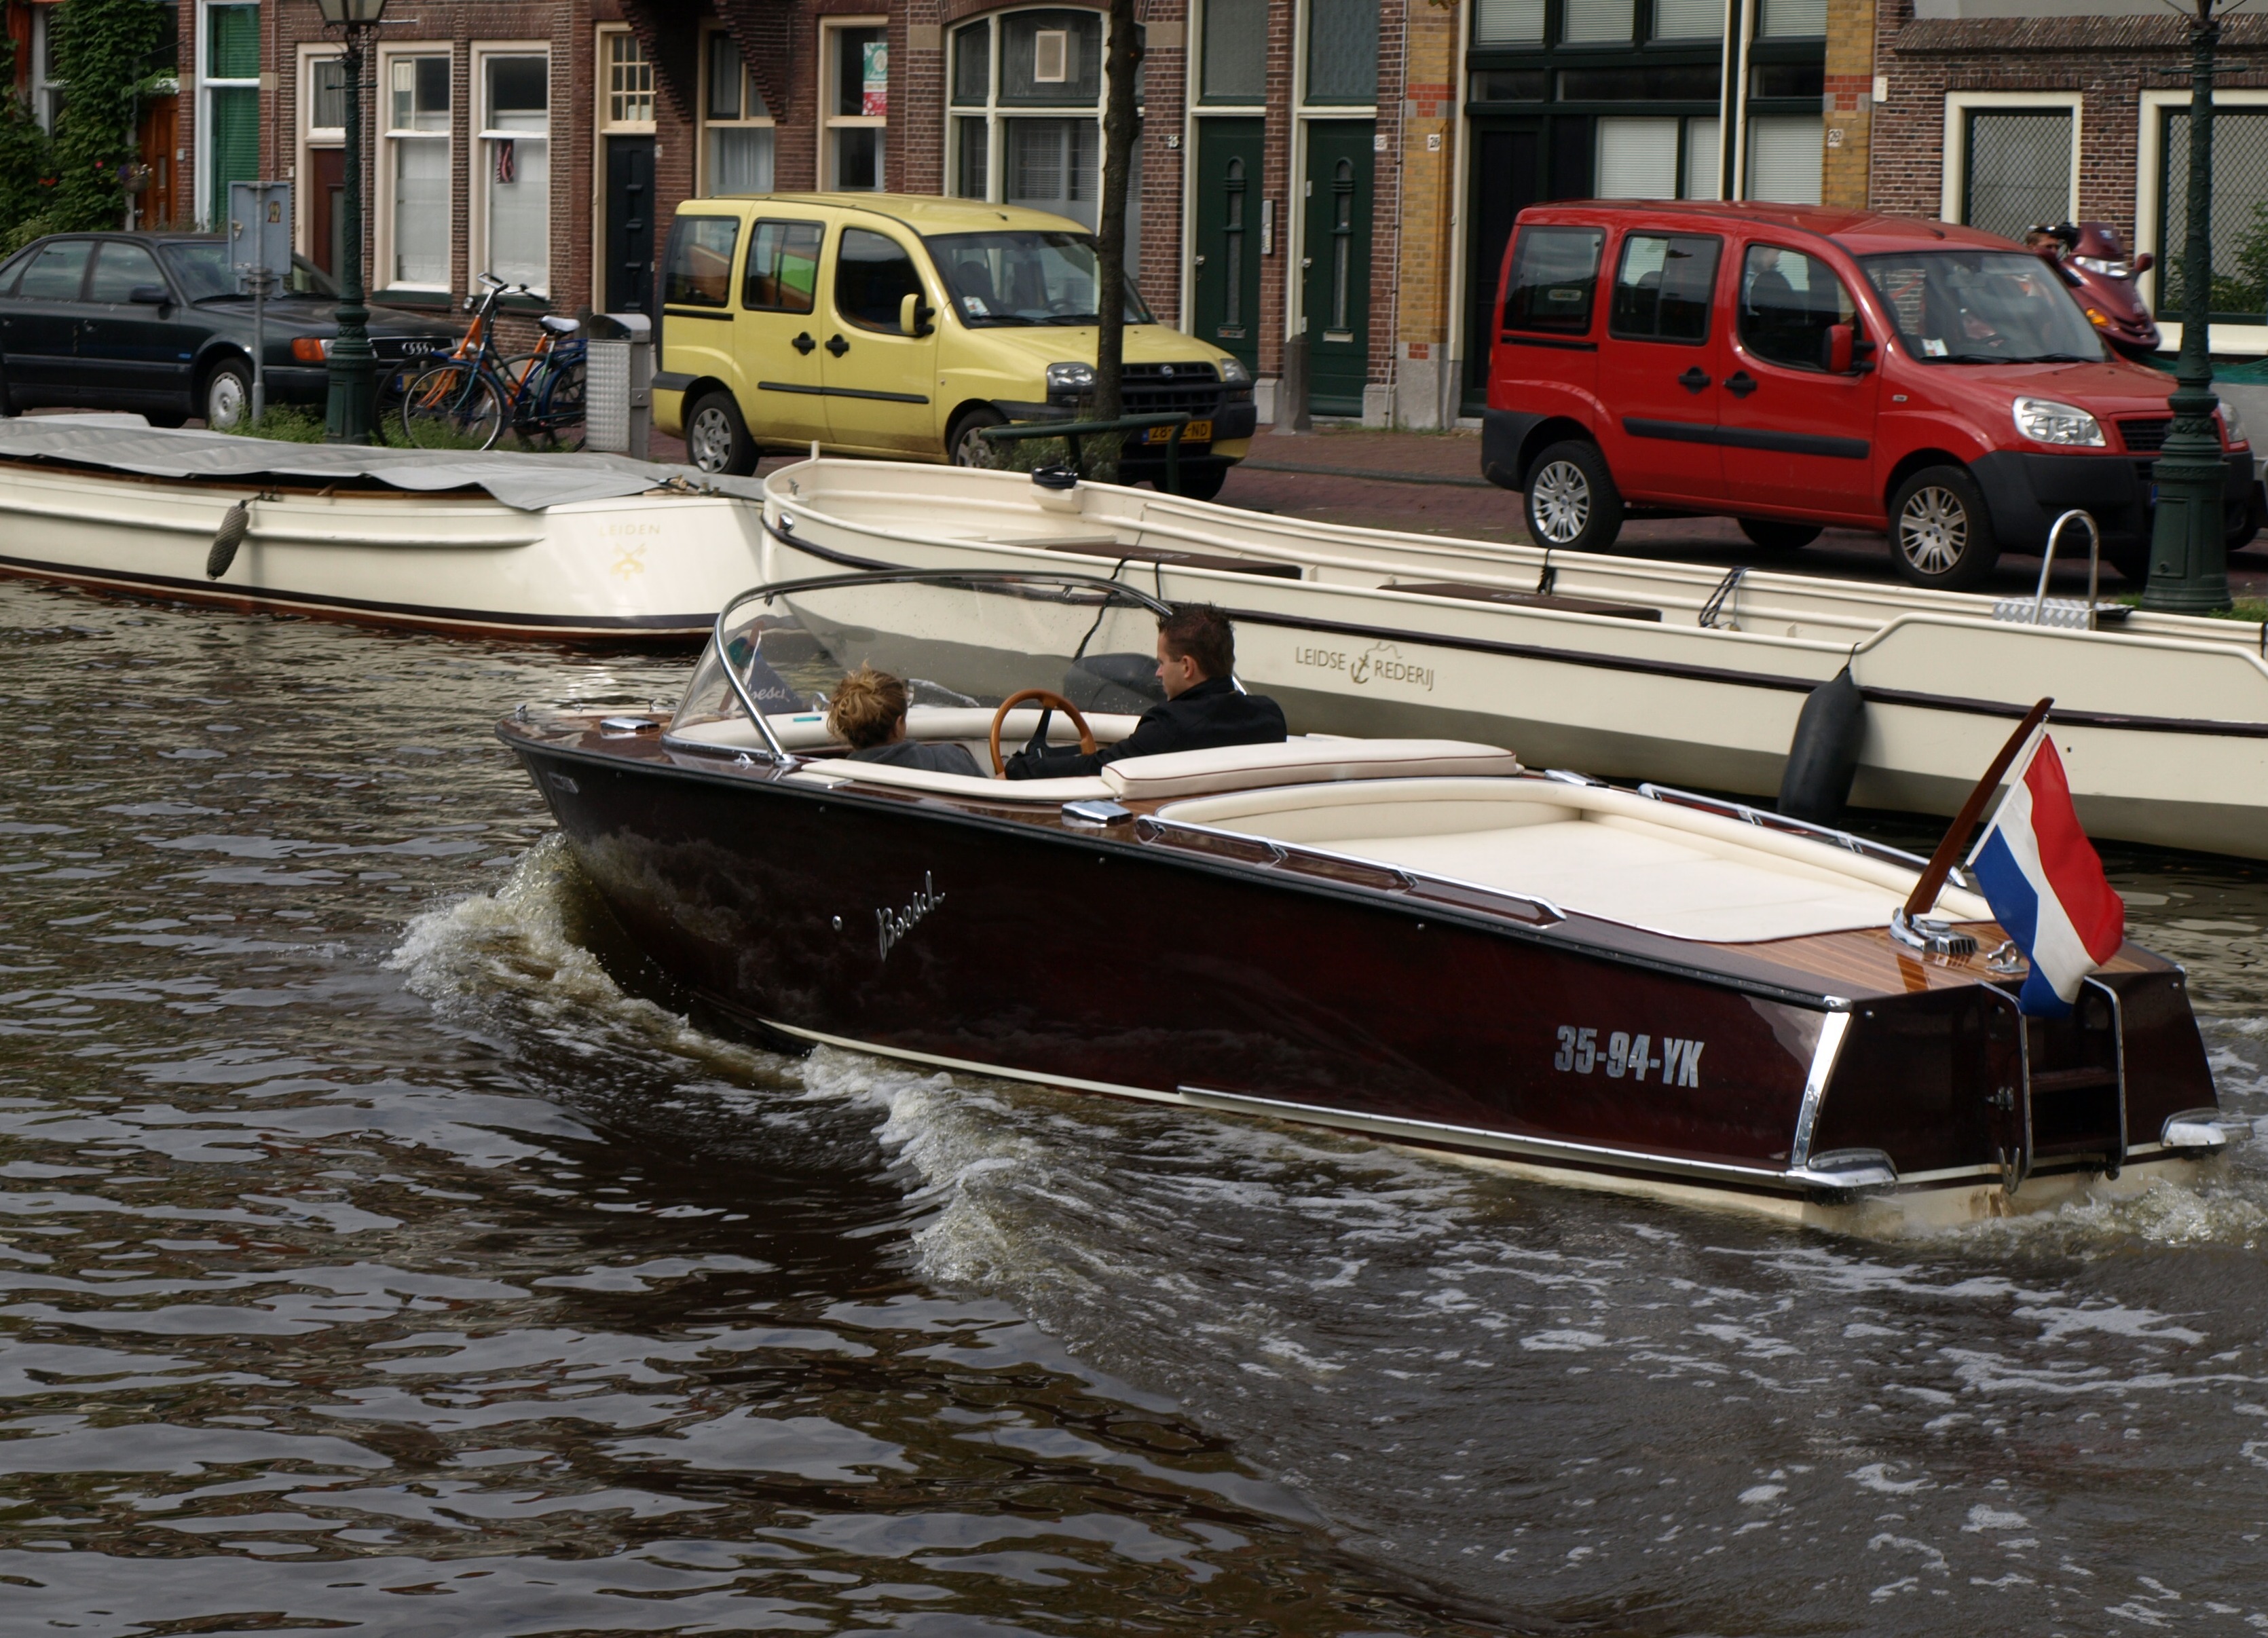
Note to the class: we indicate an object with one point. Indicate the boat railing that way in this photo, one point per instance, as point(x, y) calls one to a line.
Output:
point(1764, 819)
point(1152, 827)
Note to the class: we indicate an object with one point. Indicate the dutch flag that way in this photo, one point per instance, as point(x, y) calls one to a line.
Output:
point(2045, 884)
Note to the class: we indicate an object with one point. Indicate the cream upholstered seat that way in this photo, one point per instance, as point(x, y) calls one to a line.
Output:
point(1301, 761)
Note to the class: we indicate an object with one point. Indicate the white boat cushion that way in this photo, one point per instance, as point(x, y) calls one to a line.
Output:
point(1300, 762)
point(834, 770)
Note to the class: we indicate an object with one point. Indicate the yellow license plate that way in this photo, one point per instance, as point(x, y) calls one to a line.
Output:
point(1195, 432)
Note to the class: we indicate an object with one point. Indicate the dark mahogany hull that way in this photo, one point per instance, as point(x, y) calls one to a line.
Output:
point(984, 939)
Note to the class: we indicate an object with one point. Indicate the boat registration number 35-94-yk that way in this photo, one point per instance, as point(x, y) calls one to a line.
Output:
point(1623, 1053)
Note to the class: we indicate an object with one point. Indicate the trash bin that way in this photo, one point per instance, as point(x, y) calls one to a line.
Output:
point(618, 383)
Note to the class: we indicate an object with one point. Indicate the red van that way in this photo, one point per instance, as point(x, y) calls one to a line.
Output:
point(1796, 367)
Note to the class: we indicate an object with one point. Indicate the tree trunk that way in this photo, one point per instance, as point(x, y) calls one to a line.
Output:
point(1121, 54)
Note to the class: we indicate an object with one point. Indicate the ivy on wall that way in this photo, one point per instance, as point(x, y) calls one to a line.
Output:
point(103, 51)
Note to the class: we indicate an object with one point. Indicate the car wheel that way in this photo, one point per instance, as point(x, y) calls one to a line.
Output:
point(1773, 535)
point(962, 446)
point(1572, 503)
point(226, 399)
point(1201, 482)
point(1940, 533)
point(717, 438)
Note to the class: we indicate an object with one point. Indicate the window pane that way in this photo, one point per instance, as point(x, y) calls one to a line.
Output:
point(1051, 166)
point(1701, 154)
point(971, 174)
point(629, 80)
point(1555, 271)
point(56, 275)
point(700, 273)
point(2018, 170)
point(1788, 301)
point(859, 158)
point(741, 160)
point(519, 211)
point(1599, 21)
point(420, 87)
point(1235, 64)
point(783, 267)
point(1663, 287)
point(519, 94)
point(1508, 23)
point(233, 44)
point(421, 212)
point(235, 142)
point(726, 76)
point(329, 112)
point(2240, 190)
point(972, 63)
point(1638, 159)
point(1343, 51)
point(1792, 19)
point(862, 72)
point(1081, 66)
point(1784, 159)
point(872, 276)
point(118, 270)
point(1688, 20)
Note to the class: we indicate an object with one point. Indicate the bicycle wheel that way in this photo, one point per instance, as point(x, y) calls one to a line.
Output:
point(549, 411)
point(453, 406)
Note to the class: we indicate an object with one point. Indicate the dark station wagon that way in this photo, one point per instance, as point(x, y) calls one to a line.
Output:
point(155, 322)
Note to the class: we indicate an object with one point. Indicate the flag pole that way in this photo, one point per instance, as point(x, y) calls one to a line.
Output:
point(1923, 899)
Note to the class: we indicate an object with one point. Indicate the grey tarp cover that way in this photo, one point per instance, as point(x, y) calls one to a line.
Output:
point(528, 482)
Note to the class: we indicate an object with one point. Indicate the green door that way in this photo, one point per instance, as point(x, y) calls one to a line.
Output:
point(1226, 280)
point(1335, 265)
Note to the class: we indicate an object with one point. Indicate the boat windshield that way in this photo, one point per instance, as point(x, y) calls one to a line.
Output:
point(202, 265)
point(1025, 278)
point(966, 640)
point(1982, 306)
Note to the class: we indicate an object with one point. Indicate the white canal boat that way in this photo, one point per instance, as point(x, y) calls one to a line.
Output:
point(565, 547)
point(1682, 674)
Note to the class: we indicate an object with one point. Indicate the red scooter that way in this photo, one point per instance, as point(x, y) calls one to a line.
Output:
point(2093, 260)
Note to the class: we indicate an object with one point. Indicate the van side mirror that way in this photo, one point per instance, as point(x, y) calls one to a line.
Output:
point(913, 315)
point(1840, 348)
point(2144, 262)
point(151, 296)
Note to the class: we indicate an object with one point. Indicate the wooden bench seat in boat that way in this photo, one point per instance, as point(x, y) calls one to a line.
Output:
point(1608, 853)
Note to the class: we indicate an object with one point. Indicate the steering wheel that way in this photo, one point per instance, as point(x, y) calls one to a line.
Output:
point(1056, 701)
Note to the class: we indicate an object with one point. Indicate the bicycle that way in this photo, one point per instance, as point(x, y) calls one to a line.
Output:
point(474, 396)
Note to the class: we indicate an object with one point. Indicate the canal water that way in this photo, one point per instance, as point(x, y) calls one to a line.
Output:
point(374, 1258)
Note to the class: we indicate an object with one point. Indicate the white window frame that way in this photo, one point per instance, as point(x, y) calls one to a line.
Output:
point(702, 183)
point(44, 83)
point(1958, 106)
point(388, 143)
point(200, 160)
point(2148, 160)
point(997, 116)
point(476, 151)
point(604, 120)
point(311, 136)
point(830, 68)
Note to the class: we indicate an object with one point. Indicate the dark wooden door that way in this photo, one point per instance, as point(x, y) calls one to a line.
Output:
point(1507, 179)
point(629, 224)
point(1225, 280)
point(1334, 264)
point(326, 211)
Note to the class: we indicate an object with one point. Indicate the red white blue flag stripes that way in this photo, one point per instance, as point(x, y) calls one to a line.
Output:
point(2045, 884)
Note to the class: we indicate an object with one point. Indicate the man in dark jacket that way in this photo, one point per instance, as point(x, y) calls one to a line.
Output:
point(1196, 657)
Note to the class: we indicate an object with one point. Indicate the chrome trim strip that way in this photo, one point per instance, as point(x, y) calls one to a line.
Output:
point(1832, 1029)
point(2118, 1156)
point(1763, 819)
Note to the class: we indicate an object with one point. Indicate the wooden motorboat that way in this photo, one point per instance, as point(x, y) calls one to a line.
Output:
point(1416, 939)
point(576, 547)
point(1632, 669)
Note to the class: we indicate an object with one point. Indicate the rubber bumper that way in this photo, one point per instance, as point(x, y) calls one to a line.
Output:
point(1503, 434)
point(2027, 492)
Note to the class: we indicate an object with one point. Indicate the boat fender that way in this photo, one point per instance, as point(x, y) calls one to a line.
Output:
point(1823, 757)
point(226, 539)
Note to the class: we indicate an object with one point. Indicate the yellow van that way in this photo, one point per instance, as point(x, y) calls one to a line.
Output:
point(898, 325)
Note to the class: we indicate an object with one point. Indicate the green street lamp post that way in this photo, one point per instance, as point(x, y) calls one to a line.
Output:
point(353, 370)
point(2189, 555)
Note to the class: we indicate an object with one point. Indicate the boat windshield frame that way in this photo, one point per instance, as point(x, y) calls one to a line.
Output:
point(973, 579)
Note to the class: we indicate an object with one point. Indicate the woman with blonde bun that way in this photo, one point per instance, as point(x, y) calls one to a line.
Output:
point(868, 714)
